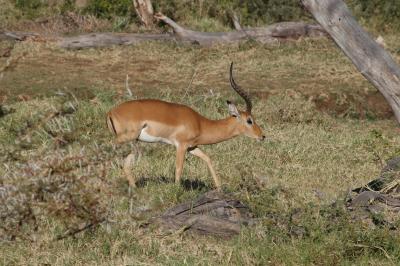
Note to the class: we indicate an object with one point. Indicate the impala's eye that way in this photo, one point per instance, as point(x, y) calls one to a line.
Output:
point(249, 121)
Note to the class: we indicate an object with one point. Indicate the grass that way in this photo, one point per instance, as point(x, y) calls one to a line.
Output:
point(310, 159)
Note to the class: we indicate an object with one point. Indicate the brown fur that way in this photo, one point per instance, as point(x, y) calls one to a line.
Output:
point(175, 122)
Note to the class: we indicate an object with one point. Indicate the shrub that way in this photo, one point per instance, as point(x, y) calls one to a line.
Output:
point(376, 14)
point(109, 8)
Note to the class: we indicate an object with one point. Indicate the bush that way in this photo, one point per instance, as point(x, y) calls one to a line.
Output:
point(28, 4)
point(253, 12)
point(378, 14)
point(30, 8)
point(109, 8)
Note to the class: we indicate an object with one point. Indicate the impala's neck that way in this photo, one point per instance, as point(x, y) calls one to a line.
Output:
point(214, 131)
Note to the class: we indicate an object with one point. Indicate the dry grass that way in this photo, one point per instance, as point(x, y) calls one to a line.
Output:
point(315, 69)
point(310, 159)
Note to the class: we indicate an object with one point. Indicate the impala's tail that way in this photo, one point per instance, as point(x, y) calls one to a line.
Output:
point(110, 124)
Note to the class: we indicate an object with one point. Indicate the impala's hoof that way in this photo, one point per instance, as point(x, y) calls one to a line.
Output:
point(132, 184)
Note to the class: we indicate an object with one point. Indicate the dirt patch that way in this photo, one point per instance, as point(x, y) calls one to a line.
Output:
point(44, 71)
point(365, 105)
point(262, 95)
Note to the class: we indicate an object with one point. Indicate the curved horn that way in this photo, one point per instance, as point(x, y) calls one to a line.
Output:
point(239, 91)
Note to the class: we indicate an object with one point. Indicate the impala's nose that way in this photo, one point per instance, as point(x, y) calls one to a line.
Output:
point(262, 138)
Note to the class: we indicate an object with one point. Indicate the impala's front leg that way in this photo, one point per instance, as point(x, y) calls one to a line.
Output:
point(180, 157)
point(199, 153)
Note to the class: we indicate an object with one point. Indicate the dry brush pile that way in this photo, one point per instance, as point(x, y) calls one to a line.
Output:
point(378, 202)
point(48, 176)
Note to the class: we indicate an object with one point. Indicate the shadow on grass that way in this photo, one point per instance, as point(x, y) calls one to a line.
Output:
point(193, 184)
point(144, 181)
point(187, 184)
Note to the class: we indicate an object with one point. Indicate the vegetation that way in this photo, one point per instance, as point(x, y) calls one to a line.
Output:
point(61, 172)
point(63, 196)
point(202, 15)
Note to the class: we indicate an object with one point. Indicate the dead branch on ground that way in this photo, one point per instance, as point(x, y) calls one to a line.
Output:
point(274, 33)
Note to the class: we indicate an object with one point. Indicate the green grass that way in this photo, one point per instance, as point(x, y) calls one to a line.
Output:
point(310, 159)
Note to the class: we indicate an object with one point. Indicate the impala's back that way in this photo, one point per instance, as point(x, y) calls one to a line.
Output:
point(152, 121)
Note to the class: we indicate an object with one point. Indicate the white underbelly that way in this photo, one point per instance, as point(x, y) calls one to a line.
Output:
point(144, 136)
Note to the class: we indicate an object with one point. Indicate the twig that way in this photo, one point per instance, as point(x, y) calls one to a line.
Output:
point(80, 229)
point(190, 83)
point(376, 247)
point(127, 86)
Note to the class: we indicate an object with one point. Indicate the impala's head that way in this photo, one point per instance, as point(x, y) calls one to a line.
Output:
point(246, 123)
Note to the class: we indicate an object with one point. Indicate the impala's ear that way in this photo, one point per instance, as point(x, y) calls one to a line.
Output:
point(233, 111)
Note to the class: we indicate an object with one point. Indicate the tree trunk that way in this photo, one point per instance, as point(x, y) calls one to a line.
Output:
point(374, 63)
point(145, 11)
point(235, 21)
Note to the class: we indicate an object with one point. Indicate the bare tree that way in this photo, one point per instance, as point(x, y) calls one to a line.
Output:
point(144, 10)
point(374, 63)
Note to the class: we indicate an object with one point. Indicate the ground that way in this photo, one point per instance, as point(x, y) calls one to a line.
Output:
point(328, 130)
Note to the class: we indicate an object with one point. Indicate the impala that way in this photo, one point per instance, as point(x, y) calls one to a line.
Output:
point(179, 125)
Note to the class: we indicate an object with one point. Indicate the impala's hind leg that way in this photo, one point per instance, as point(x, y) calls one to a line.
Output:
point(131, 159)
point(180, 158)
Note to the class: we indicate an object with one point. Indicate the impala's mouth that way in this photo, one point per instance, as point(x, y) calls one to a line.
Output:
point(261, 138)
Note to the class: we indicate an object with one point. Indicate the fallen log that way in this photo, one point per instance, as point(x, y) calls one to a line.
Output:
point(274, 33)
point(271, 34)
point(94, 40)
